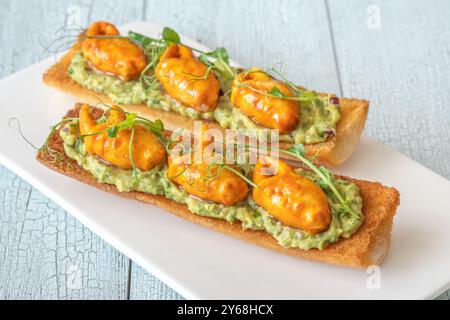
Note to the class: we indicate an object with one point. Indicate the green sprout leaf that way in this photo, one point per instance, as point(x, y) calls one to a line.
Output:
point(276, 92)
point(156, 127)
point(142, 40)
point(112, 131)
point(279, 73)
point(298, 149)
point(205, 60)
point(219, 54)
point(128, 122)
point(308, 95)
point(170, 36)
point(218, 60)
point(222, 54)
point(159, 125)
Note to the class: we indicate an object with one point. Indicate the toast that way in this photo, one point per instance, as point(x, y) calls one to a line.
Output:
point(368, 246)
point(333, 152)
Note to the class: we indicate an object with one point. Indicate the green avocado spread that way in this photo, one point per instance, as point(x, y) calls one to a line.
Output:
point(156, 182)
point(318, 116)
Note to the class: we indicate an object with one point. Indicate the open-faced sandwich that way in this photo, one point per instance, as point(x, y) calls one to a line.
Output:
point(165, 79)
point(305, 212)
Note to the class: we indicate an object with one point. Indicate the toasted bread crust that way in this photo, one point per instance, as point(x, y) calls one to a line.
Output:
point(368, 246)
point(333, 152)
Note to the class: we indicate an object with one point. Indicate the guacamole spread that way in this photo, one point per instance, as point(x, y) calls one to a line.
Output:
point(156, 182)
point(318, 116)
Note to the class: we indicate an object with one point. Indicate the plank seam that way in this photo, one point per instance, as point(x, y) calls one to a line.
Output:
point(144, 10)
point(333, 44)
point(128, 294)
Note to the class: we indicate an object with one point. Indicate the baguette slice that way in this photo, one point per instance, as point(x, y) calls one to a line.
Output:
point(368, 246)
point(333, 152)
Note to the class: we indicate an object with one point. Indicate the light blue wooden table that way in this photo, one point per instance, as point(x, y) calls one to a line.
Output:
point(395, 53)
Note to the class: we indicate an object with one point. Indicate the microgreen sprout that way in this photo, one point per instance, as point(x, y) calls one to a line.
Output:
point(170, 36)
point(55, 156)
point(219, 61)
point(280, 74)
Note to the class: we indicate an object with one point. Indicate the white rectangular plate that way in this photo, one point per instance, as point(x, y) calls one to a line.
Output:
point(200, 263)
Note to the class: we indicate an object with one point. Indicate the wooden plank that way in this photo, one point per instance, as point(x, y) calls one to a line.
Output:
point(403, 68)
point(145, 286)
point(118, 11)
point(20, 39)
point(44, 252)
